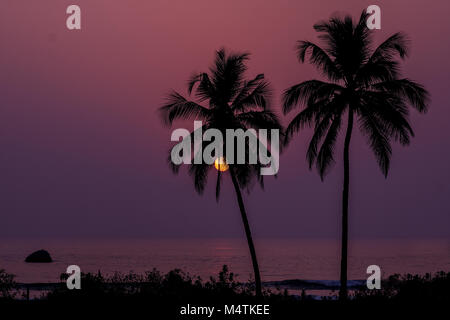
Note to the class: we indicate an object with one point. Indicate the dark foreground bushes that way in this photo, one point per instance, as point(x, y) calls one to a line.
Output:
point(161, 296)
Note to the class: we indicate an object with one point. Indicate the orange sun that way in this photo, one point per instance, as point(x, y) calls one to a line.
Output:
point(221, 164)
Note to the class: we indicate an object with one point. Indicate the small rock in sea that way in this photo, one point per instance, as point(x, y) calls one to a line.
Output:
point(40, 256)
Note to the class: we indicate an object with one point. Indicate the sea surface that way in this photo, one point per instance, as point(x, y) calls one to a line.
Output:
point(279, 259)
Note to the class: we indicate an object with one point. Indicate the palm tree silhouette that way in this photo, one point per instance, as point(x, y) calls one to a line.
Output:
point(363, 83)
point(233, 103)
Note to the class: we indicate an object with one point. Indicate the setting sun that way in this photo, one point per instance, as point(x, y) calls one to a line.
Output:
point(221, 164)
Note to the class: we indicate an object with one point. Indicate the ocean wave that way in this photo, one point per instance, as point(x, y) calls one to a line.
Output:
point(297, 284)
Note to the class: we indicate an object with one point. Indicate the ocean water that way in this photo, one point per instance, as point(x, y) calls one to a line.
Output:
point(279, 259)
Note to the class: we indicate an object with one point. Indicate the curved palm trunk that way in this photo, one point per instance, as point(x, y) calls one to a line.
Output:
point(344, 239)
point(248, 234)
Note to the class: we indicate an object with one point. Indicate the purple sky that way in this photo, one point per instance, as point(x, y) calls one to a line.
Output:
point(82, 151)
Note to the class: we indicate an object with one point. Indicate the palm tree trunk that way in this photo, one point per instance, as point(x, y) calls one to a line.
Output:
point(248, 234)
point(344, 238)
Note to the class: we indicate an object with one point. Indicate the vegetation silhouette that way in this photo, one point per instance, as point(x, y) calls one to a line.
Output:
point(232, 103)
point(363, 83)
point(128, 296)
point(7, 285)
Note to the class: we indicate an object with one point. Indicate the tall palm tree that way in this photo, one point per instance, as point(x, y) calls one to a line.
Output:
point(362, 83)
point(231, 102)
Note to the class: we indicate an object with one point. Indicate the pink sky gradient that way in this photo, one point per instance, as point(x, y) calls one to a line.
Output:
point(83, 152)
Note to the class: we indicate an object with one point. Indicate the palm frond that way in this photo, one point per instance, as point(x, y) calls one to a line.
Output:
point(308, 91)
point(205, 89)
point(227, 74)
point(325, 157)
point(382, 66)
point(302, 119)
point(378, 70)
point(174, 168)
point(319, 58)
point(253, 94)
point(319, 132)
point(408, 90)
point(398, 43)
point(377, 139)
point(259, 119)
point(390, 113)
point(200, 174)
point(177, 107)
